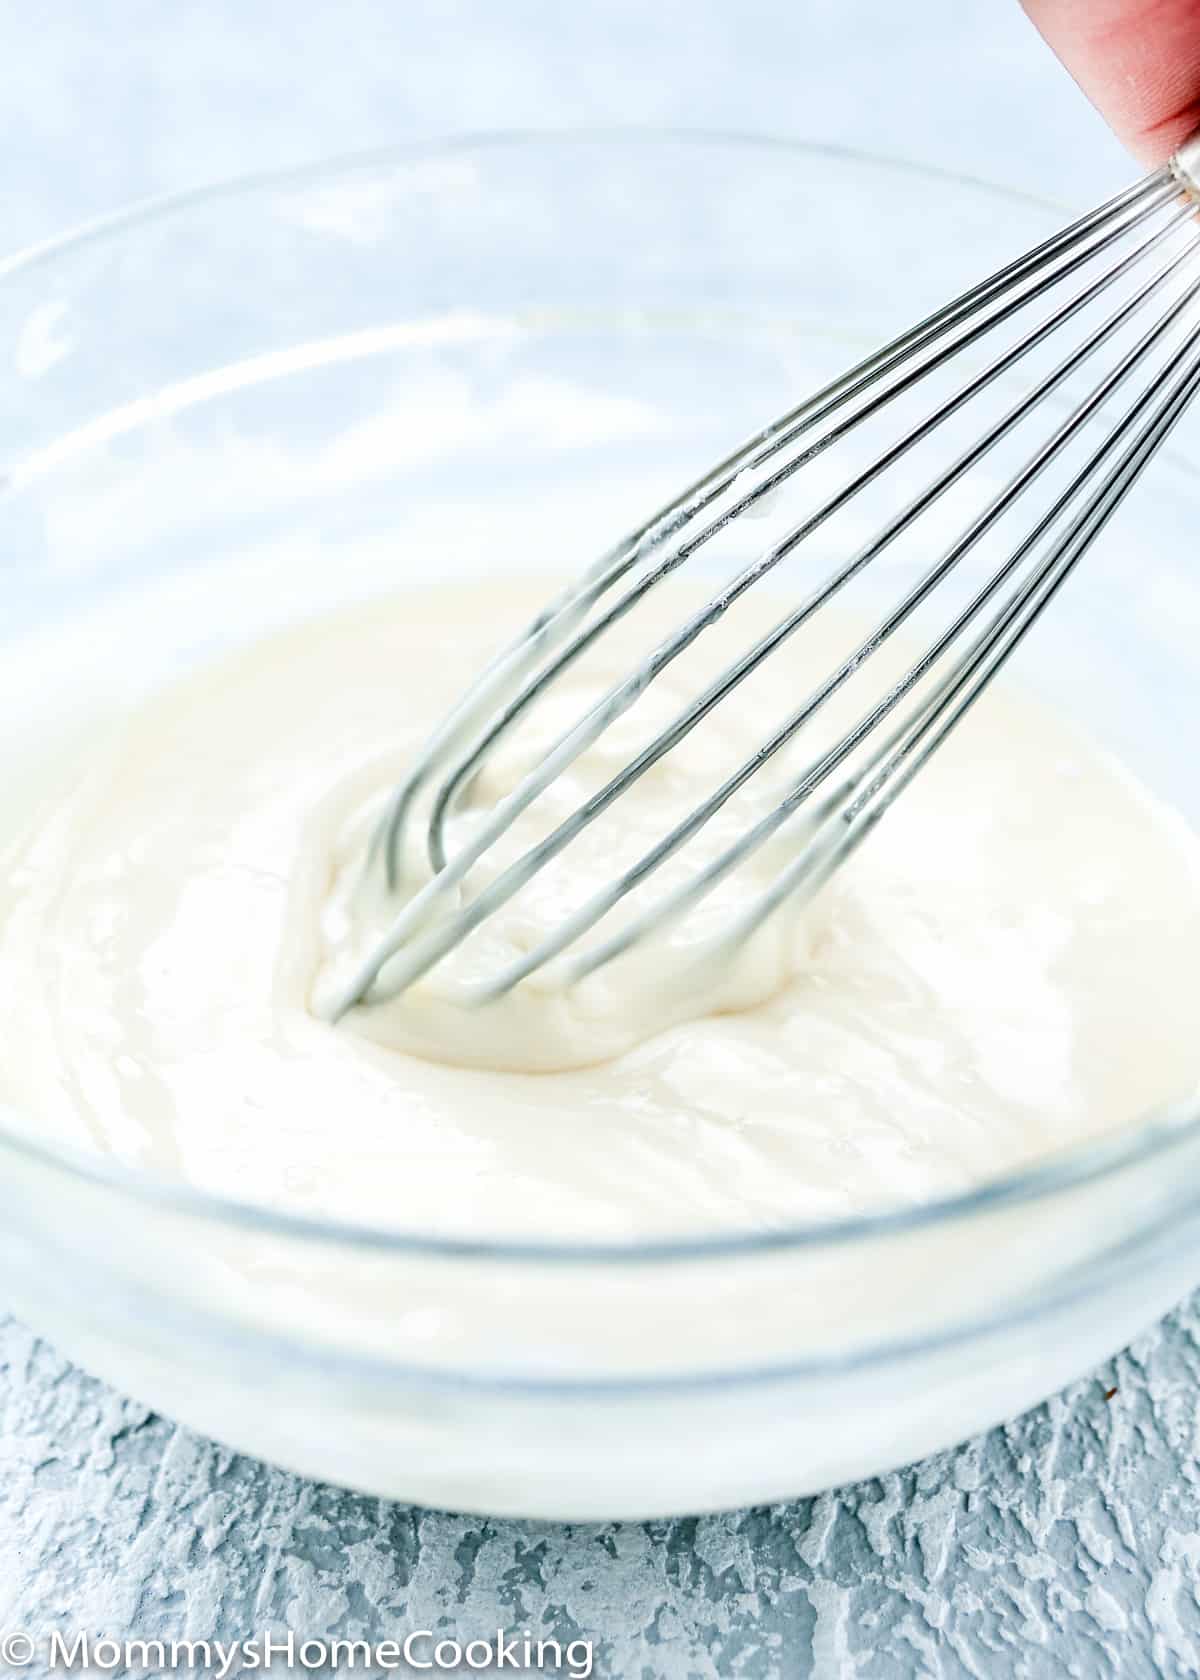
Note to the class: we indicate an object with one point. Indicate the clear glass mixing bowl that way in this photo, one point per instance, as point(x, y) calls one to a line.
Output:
point(231, 410)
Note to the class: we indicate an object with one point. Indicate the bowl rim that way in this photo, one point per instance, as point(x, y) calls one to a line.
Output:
point(1140, 1139)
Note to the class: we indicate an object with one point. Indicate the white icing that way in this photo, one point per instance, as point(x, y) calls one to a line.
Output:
point(1003, 971)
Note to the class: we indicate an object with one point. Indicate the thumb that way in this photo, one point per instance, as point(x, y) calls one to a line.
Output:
point(1138, 61)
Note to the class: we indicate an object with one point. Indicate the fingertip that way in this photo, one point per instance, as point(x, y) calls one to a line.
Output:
point(1138, 61)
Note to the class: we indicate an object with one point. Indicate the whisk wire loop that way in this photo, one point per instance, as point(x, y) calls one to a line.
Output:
point(842, 793)
point(1121, 214)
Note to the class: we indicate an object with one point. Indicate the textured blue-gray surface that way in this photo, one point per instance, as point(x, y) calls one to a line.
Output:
point(107, 103)
point(1067, 1543)
point(1064, 1544)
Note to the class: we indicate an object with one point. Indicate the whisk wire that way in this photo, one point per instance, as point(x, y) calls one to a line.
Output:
point(1126, 211)
point(895, 752)
point(911, 747)
point(598, 906)
point(460, 772)
point(841, 810)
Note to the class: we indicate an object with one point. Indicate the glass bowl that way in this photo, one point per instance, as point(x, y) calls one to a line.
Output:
point(228, 411)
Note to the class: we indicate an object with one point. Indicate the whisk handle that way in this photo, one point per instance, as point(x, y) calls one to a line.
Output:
point(1186, 164)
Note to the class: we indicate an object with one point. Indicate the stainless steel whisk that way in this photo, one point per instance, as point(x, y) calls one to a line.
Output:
point(889, 742)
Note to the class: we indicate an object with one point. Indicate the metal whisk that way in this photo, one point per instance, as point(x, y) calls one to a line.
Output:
point(1142, 247)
